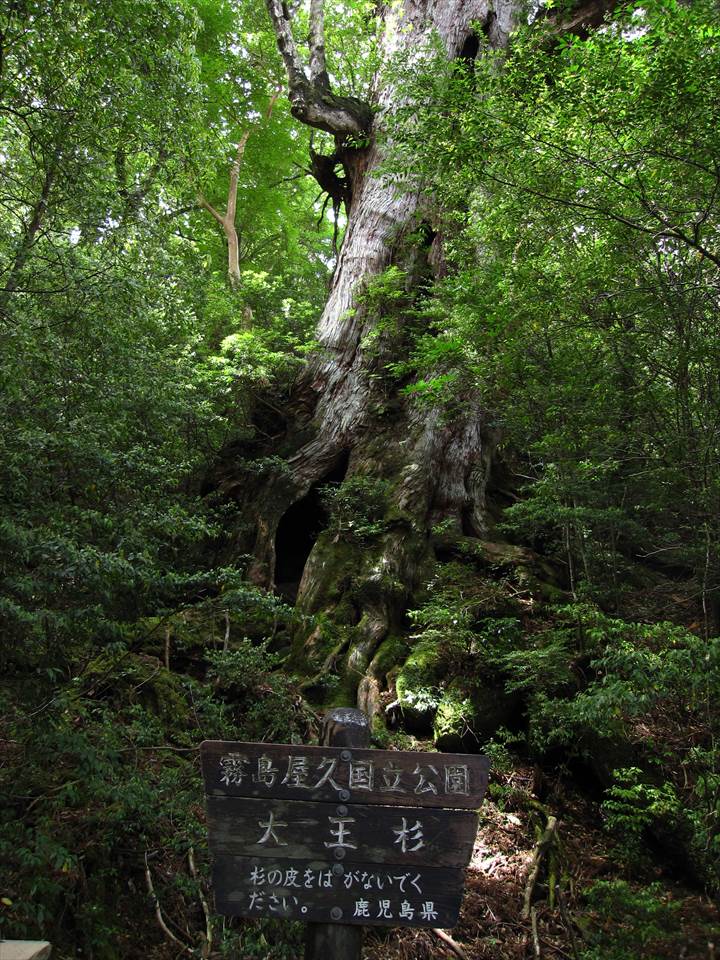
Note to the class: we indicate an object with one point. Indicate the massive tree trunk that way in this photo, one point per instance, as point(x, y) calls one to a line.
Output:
point(344, 411)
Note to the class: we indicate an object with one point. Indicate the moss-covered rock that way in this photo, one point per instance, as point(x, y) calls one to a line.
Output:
point(469, 713)
point(418, 686)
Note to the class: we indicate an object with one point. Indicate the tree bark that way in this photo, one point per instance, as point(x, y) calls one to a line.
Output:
point(436, 470)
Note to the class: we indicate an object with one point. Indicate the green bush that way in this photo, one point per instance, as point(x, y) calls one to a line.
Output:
point(357, 506)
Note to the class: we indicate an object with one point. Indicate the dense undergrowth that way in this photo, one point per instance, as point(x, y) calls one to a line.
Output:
point(578, 648)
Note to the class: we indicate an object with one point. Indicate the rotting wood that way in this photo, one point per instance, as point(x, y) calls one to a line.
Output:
point(548, 838)
point(453, 945)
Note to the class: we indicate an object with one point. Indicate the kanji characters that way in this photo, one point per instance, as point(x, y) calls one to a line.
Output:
point(327, 777)
point(407, 911)
point(361, 775)
point(428, 911)
point(391, 776)
point(257, 876)
point(362, 908)
point(270, 824)
point(407, 835)
point(384, 910)
point(457, 779)
point(297, 772)
point(232, 768)
point(266, 773)
point(339, 833)
point(424, 785)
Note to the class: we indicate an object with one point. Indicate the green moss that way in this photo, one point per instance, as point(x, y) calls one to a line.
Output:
point(164, 695)
point(327, 690)
point(453, 718)
point(391, 654)
point(139, 678)
point(418, 686)
point(333, 564)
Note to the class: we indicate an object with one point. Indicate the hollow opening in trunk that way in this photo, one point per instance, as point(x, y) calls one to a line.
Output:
point(299, 529)
point(471, 45)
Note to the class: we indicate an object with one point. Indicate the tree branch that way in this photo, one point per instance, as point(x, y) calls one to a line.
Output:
point(206, 205)
point(667, 229)
point(227, 220)
point(318, 68)
point(548, 838)
point(235, 176)
point(311, 100)
point(158, 912)
point(583, 17)
point(453, 945)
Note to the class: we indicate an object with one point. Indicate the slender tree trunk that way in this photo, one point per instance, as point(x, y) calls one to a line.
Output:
point(228, 219)
point(33, 227)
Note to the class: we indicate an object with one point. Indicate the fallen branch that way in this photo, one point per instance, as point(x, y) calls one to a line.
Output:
point(535, 936)
point(568, 925)
point(158, 912)
point(452, 944)
point(207, 949)
point(548, 838)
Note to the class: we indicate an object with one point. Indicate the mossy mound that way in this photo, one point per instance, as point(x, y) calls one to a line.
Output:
point(139, 678)
point(470, 713)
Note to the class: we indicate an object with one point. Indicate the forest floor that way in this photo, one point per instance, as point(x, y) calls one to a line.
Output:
point(627, 924)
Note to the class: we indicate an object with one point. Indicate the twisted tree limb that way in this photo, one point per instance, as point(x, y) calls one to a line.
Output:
point(311, 99)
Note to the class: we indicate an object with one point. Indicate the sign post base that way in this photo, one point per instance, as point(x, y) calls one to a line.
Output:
point(342, 727)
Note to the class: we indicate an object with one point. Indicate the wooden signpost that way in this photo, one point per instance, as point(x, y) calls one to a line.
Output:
point(340, 834)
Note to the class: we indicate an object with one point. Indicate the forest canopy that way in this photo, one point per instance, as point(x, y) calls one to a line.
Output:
point(367, 354)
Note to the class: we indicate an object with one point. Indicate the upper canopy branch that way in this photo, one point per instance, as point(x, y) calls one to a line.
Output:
point(311, 99)
point(318, 67)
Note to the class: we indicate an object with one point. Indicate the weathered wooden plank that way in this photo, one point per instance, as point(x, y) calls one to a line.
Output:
point(327, 892)
point(24, 949)
point(305, 831)
point(345, 774)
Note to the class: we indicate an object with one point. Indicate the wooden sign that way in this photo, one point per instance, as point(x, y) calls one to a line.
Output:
point(291, 828)
point(341, 835)
point(326, 892)
point(386, 777)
